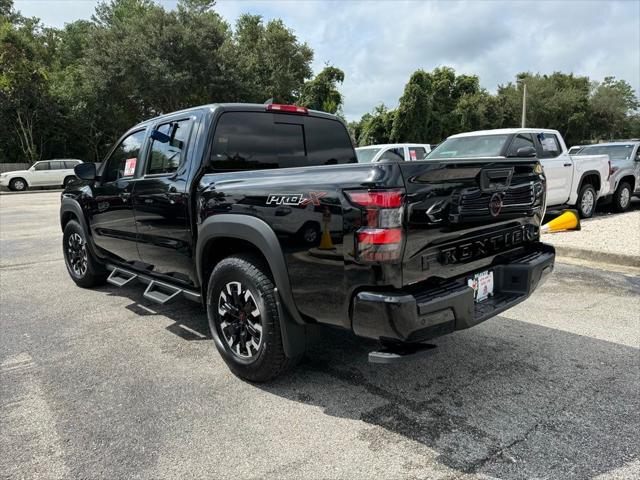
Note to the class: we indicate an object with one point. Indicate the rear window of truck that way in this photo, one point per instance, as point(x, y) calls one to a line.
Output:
point(255, 140)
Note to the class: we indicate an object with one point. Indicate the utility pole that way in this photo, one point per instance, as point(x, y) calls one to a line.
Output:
point(524, 104)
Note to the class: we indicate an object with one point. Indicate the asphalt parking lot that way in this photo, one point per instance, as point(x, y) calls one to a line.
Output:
point(103, 384)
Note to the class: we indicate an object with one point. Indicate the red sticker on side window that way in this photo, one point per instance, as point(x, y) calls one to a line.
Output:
point(413, 154)
point(130, 166)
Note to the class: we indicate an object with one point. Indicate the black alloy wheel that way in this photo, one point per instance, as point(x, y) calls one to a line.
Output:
point(240, 320)
point(84, 269)
point(77, 254)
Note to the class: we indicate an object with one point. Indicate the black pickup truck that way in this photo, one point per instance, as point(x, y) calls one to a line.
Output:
point(262, 214)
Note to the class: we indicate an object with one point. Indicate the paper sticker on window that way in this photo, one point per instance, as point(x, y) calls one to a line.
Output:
point(130, 166)
point(549, 144)
point(413, 154)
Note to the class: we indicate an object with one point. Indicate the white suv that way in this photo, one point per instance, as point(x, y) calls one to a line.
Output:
point(48, 173)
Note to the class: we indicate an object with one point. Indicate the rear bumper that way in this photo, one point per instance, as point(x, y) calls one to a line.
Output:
point(449, 306)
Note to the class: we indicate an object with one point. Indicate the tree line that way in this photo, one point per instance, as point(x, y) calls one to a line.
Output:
point(70, 92)
point(440, 103)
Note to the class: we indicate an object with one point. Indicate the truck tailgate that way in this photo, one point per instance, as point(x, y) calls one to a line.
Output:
point(462, 213)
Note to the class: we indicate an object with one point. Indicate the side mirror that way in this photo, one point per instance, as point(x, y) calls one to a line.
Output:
point(526, 152)
point(85, 171)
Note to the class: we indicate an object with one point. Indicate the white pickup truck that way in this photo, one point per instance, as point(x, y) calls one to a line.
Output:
point(577, 181)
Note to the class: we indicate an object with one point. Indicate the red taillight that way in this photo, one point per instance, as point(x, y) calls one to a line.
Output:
point(380, 237)
point(385, 199)
point(278, 107)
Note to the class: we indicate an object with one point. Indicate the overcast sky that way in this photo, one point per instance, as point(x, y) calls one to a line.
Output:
point(379, 44)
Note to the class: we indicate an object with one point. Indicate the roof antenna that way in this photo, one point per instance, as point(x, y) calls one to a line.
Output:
point(268, 102)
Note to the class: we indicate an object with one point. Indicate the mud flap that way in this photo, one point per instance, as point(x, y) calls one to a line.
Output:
point(294, 335)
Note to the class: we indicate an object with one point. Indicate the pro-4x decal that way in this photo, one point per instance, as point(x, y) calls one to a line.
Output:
point(295, 199)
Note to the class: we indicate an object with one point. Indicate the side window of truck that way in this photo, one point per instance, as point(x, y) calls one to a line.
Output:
point(168, 147)
point(122, 162)
point(519, 141)
point(417, 153)
point(550, 147)
point(392, 155)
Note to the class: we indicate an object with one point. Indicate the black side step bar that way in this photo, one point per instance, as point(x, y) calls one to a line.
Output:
point(156, 291)
point(400, 352)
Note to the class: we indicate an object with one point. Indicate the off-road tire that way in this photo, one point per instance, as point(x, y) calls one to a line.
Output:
point(582, 204)
point(14, 185)
point(622, 194)
point(94, 273)
point(250, 272)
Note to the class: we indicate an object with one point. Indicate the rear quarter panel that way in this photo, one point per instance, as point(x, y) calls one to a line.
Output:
point(583, 164)
point(323, 274)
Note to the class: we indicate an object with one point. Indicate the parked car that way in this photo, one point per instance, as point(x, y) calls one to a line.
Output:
point(393, 152)
point(47, 173)
point(187, 203)
point(625, 170)
point(571, 181)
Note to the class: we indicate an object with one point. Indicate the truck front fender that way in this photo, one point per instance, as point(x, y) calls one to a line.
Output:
point(70, 209)
point(70, 206)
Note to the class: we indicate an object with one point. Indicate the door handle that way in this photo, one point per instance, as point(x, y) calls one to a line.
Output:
point(567, 164)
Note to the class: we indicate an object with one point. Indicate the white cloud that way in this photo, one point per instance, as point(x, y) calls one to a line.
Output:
point(379, 44)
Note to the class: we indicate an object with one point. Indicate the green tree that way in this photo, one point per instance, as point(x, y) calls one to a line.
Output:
point(25, 101)
point(435, 103)
point(377, 126)
point(559, 101)
point(613, 107)
point(478, 111)
point(270, 62)
point(322, 93)
point(414, 115)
